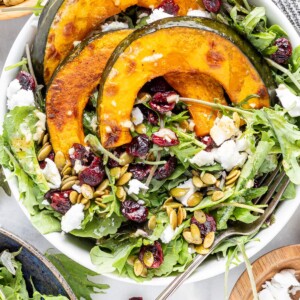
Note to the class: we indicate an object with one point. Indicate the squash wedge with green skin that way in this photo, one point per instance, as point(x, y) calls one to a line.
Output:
point(177, 45)
point(199, 86)
point(73, 83)
point(64, 22)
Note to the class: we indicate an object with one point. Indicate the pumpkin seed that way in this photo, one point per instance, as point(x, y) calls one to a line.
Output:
point(67, 170)
point(40, 140)
point(87, 191)
point(60, 160)
point(232, 177)
point(45, 138)
point(173, 219)
point(124, 169)
point(87, 206)
point(181, 215)
point(143, 97)
point(44, 152)
point(169, 200)
point(198, 183)
point(169, 210)
point(195, 199)
point(120, 193)
point(68, 185)
point(138, 267)
point(144, 273)
point(236, 119)
point(126, 159)
point(115, 172)
point(148, 259)
point(228, 187)
point(84, 201)
point(174, 204)
point(152, 223)
point(208, 179)
point(195, 231)
point(178, 192)
point(73, 197)
point(209, 240)
point(74, 172)
point(209, 193)
point(200, 216)
point(201, 250)
point(184, 124)
point(218, 183)
point(217, 195)
point(195, 173)
point(141, 128)
point(98, 194)
point(103, 185)
point(124, 179)
point(187, 235)
point(100, 204)
point(79, 198)
point(131, 259)
point(69, 178)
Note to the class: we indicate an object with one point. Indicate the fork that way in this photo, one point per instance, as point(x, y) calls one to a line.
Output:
point(272, 197)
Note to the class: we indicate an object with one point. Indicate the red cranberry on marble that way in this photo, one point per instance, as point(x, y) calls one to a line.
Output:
point(157, 253)
point(134, 211)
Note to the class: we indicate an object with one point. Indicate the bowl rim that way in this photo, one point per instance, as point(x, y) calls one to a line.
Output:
point(43, 259)
point(69, 245)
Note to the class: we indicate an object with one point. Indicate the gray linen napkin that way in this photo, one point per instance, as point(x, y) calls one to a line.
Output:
point(291, 8)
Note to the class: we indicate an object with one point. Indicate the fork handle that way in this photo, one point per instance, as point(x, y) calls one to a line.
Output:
point(177, 282)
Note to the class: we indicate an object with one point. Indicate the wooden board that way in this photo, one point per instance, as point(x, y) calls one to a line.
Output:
point(265, 268)
point(17, 14)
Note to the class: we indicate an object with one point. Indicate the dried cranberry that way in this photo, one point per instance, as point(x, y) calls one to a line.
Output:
point(134, 211)
point(165, 138)
point(149, 114)
point(81, 153)
point(117, 152)
point(59, 201)
point(43, 163)
point(212, 5)
point(170, 7)
point(208, 226)
point(157, 253)
point(209, 142)
point(136, 298)
point(26, 81)
point(167, 169)
point(93, 174)
point(160, 102)
point(284, 51)
point(139, 171)
point(139, 146)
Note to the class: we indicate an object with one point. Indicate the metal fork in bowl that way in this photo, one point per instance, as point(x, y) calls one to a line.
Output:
point(272, 197)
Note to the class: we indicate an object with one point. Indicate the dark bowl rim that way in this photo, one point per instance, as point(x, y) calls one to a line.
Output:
point(44, 260)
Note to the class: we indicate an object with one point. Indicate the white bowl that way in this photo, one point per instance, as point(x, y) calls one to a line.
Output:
point(78, 249)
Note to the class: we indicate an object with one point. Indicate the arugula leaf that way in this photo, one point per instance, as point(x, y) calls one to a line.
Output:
point(3, 182)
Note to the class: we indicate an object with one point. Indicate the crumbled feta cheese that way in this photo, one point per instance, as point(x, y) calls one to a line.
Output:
point(278, 287)
point(158, 14)
point(113, 26)
point(223, 130)
point(141, 233)
point(137, 116)
point(191, 125)
point(25, 130)
point(71, 151)
point(73, 218)
point(191, 249)
point(152, 58)
point(78, 167)
point(76, 188)
point(243, 144)
point(168, 234)
point(173, 98)
point(228, 155)
point(191, 190)
point(126, 124)
point(198, 13)
point(40, 125)
point(18, 96)
point(45, 202)
point(51, 174)
point(203, 158)
point(76, 43)
point(288, 100)
point(135, 186)
point(166, 134)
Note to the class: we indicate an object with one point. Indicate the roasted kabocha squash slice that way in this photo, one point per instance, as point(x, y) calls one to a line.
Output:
point(73, 83)
point(64, 22)
point(198, 86)
point(178, 45)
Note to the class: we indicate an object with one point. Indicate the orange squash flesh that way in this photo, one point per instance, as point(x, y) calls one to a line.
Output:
point(89, 14)
point(71, 87)
point(167, 50)
point(198, 86)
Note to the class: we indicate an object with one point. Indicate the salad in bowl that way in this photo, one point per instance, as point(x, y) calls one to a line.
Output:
point(147, 126)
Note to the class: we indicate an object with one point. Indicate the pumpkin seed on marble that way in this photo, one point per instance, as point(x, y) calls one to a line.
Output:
point(44, 152)
point(209, 240)
point(195, 199)
point(87, 205)
point(198, 183)
point(200, 216)
point(124, 179)
point(60, 160)
point(178, 192)
point(148, 259)
point(152, 223)
point(217, 195)
point(208, 179)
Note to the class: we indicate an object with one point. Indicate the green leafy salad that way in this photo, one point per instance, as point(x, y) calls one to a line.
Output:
point(193, 166)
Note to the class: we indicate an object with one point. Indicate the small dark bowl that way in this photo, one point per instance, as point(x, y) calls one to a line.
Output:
point(46, 278)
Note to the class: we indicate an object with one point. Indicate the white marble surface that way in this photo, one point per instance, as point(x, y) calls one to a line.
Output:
point(13, 219)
